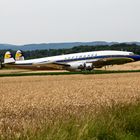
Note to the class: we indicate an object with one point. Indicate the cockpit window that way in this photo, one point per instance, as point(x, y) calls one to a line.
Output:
point(131, 53)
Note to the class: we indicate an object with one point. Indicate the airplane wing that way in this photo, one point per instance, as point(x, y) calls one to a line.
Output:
point(112, 61)
point(54, 65)
point(98, 63)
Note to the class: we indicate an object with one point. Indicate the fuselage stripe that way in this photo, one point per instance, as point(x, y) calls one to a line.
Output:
point(135, 57)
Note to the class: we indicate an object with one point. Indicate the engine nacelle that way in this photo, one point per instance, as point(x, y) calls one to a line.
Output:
point(75, 66)
point(88, 66)
point(81, 66)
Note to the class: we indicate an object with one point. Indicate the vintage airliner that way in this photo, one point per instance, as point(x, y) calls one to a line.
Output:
point(71, 62)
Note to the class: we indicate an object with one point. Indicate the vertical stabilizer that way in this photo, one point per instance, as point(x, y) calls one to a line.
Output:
point(19, 56)
point(8, 58)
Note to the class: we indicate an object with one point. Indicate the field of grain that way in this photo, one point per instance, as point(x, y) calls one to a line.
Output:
point(128, 66)
point(28, 102)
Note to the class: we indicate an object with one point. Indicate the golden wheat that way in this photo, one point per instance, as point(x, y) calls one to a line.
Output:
point(127, 66)
point(27, 102)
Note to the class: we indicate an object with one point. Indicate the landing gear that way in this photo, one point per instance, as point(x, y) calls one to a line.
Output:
point(0, 64)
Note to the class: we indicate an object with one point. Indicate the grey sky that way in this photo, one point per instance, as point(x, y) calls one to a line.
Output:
point(39, 21)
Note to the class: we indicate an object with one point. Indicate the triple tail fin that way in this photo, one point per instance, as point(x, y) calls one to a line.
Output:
point(8, 58)
point(19, 56)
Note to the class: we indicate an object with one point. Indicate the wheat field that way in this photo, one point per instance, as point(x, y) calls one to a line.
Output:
point(127, 66)
point(27, 102)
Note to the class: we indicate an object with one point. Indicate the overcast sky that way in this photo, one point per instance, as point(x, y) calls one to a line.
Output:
point(44, 21)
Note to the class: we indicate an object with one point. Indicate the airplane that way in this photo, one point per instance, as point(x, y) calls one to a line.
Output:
point(71, 62)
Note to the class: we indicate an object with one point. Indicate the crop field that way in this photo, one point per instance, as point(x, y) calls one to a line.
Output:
point(128, 66)
point(60, 107)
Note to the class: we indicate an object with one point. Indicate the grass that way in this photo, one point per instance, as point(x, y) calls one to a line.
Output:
point(119, 122)
point(68, 73)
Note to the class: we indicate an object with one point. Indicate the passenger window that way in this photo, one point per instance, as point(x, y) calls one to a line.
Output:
point(73, 57)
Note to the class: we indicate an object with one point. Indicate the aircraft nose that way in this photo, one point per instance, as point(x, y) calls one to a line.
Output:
point(136, 57)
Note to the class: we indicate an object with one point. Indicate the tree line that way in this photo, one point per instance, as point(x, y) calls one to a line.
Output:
point(53, 52)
